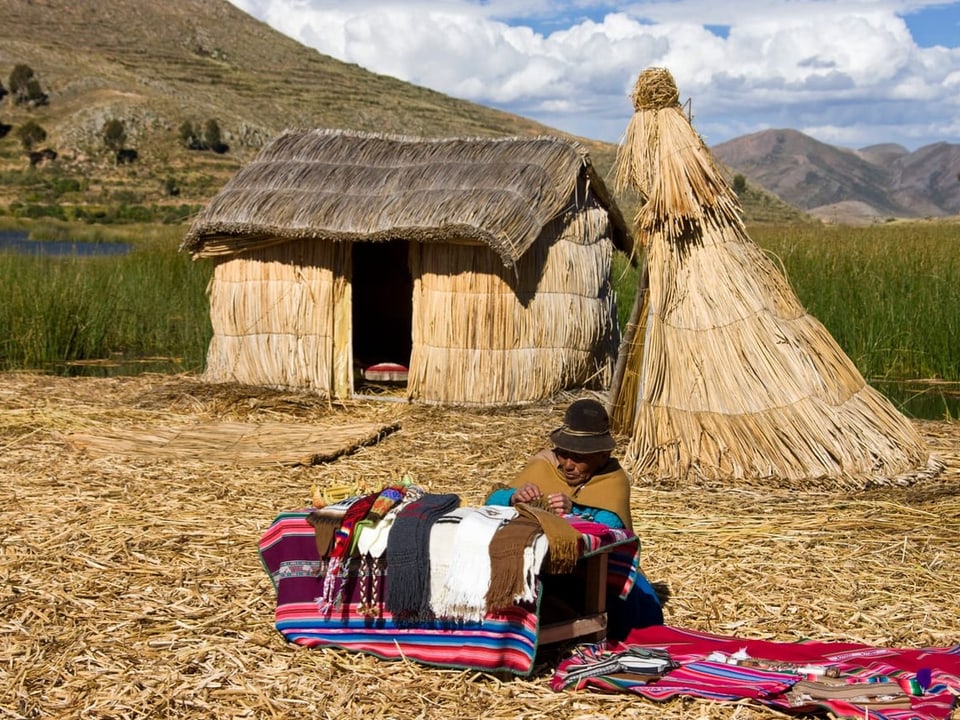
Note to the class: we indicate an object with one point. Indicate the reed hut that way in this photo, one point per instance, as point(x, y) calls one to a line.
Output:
point(482, 266)
point(723, 374)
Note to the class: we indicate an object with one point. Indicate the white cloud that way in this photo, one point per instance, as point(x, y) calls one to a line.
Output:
point(845, 71)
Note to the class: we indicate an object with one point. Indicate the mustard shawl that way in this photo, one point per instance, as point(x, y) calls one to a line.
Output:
point(608, 489)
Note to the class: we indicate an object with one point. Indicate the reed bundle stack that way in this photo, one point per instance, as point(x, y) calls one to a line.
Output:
point(723, 374)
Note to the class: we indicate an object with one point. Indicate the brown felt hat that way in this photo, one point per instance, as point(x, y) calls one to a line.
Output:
point(586, 429)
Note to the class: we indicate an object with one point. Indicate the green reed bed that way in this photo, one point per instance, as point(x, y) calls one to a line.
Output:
point(64, 309)
point(889, 294)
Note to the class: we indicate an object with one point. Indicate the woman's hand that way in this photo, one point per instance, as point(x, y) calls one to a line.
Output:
point(526, 493)
point(560, 503)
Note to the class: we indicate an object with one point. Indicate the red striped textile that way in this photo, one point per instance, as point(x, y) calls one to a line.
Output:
point(623, 565)
point(929, 678)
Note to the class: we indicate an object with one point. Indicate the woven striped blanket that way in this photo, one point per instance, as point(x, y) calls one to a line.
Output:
point(503, 641)
point(848, 680)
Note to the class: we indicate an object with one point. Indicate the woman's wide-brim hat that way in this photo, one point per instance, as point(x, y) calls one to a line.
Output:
point(585, 429)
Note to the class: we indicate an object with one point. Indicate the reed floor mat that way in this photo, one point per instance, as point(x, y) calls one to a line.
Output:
point(236, 443)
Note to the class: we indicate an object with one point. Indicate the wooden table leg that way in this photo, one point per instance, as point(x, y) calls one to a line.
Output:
point(591, 624)
point(595, 599)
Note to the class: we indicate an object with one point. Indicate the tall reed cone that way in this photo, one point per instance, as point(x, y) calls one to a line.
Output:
point(724, 374)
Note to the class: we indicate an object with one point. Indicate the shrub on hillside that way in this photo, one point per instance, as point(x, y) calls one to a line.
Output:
point(114, 134)
point(209, 138)
point(31, 134)
point(25, 86)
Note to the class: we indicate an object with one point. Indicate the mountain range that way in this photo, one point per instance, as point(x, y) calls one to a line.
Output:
point(155, 66)
point(838, 184)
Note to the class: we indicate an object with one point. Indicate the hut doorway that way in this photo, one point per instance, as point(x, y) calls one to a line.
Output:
point(382, 312)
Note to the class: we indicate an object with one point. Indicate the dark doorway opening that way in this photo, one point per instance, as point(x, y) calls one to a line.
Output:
point(382, 312)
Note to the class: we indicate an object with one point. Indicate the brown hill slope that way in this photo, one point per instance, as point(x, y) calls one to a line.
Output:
point(160, 62)
point(928, 180)
point(156, 65)
point(880, 181)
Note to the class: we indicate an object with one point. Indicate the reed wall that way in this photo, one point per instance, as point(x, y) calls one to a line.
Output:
point(272, 313)
point(486, 334)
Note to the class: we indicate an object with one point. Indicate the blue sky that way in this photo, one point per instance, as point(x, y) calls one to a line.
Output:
point(848, 72)
point(935, 25)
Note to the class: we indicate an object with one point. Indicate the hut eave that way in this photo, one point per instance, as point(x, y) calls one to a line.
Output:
point(224, 239)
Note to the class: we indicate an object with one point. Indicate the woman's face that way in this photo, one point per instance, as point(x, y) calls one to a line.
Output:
point(577, 468)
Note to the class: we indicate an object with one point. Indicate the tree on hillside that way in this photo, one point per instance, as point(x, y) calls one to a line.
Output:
point(4, 129)
point(209, 138)
point(189, 136)
point(26, 87)
point(739, 184)
point(19, 77)
point(31, 135)
point(211, 135)
point(114, 134)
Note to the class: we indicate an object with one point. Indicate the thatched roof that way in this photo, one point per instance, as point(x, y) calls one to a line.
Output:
point(338, 185)
point(727, 376)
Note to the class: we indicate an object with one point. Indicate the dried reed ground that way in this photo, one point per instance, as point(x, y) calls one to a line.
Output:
point(132, 587)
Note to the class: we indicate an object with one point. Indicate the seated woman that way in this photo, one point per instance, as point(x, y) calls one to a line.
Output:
point(579, 476)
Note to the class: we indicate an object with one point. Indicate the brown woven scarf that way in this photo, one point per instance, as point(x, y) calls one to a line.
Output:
point(506, 560)
point(563, 540)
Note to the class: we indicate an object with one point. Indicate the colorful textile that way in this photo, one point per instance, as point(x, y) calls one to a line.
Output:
point(386, 500)
point(408, 555)
point(506, 639)
point(327, 519)
point(340, 547)
point(623, 565)
point(372, 539)
point(343, 535)
point(848, 680)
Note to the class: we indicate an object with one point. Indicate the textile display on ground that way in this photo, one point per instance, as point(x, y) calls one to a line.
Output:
point(344, 602)
point(845, 679)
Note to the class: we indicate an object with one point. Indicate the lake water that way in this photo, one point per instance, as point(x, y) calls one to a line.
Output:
point(118, 366)
point(19, 242)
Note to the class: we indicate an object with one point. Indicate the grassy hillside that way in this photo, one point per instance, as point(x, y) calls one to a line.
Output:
point(155, 66)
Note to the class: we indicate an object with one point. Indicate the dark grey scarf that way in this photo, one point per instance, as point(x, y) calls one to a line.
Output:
point(408, 556)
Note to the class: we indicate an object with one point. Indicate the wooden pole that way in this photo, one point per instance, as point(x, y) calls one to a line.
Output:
point(626, 345)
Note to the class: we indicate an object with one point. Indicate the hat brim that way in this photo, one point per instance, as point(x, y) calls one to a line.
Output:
point(582, 444)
